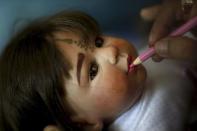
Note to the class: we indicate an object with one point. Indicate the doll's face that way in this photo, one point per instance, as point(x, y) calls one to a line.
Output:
point(100, 86)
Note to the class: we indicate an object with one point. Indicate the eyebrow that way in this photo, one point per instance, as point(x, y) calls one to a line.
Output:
point(80, 60)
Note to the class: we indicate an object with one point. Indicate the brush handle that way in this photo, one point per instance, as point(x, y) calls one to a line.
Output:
point(180, 31)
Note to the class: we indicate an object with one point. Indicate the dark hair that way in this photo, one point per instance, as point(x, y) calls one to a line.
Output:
point(32, 69)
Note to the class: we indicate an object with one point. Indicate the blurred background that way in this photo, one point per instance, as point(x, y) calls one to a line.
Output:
point(116, 17)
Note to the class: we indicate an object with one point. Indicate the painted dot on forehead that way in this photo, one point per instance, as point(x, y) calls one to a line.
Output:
point(80, 43)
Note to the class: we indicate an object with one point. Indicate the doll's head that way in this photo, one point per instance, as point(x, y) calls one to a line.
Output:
point(63, 72)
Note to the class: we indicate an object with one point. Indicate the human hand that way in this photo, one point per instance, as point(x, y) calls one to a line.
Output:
point(166, 17)
point(179, 48)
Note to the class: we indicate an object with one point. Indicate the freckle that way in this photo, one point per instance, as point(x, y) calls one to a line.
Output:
point(85, 48)
point(91, 48)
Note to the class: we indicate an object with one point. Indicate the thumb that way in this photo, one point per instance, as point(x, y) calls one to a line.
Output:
point(180, 48)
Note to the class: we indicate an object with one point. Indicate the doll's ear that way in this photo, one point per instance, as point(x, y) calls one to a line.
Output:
point(51, 128)
point(88, 124)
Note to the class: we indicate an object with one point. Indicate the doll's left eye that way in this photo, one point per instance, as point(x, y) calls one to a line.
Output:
point(93, 70)
point(99, 42)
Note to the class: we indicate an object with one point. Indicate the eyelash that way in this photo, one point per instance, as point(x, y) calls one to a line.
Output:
point(93, 70)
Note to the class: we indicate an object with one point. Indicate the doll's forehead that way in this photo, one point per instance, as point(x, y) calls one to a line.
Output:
point(72, 39)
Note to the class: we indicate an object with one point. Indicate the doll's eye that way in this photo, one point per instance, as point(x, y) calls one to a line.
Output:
point(99, 42)
point(93, 70)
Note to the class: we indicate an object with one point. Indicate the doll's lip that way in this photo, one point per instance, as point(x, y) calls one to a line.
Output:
point(129, 62)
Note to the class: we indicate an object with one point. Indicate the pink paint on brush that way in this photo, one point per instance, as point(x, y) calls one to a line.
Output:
point(131, 68)
point(180, 31)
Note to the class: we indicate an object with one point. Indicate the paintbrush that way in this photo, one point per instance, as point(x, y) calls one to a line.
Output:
point(149, 52)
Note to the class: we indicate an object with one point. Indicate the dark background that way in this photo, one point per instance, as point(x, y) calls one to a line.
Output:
point(116, 17)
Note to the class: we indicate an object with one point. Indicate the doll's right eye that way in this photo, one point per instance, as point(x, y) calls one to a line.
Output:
point(99, 42)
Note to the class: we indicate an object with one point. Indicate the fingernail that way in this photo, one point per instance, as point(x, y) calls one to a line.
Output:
point(161, 47)
point(157, 58)
point(151, 44)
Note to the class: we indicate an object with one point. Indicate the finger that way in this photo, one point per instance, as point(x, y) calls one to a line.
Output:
point(189, 11)
point(181, 48)
point(163, 23)
point(194, 10)
point(194, 13)
point(150, 13)
point(157, 58)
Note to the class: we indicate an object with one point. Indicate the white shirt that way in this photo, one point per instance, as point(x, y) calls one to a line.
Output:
point(165, 103)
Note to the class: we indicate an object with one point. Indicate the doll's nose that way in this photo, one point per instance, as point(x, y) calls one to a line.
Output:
point(109, 53)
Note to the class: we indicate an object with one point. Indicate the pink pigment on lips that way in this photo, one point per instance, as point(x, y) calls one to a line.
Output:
point(129, 61)
point(131, 67)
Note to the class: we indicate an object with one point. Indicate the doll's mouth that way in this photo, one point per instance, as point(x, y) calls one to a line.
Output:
point(129, 62)
point(131, 67)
